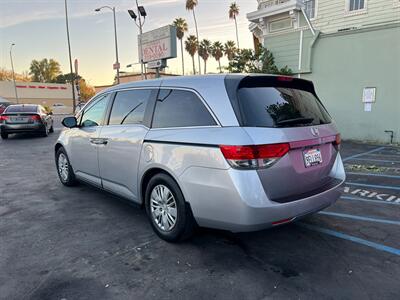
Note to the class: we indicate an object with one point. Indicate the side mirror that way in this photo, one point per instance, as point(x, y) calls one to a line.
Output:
point(70, 122)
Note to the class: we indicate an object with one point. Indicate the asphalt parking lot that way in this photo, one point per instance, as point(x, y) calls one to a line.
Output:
point(81, 243)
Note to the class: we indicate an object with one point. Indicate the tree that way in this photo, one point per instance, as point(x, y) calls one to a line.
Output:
point(66, 78)
point(87, 91)
point(190, 5)
point(230, 49)
point(204, 52)
point(6, 75)
point(233, 13)
point(191, 46)
point(217, 52)
point(260, 60)
point(44, 70)
point(181, 27)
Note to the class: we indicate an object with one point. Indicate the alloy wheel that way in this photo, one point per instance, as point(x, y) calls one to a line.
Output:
point(163, 207)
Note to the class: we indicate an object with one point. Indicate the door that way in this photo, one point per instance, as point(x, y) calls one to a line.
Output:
point(85, 141)
point(128, 125)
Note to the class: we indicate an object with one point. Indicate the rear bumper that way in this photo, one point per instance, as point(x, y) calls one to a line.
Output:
point(235, 200)
point(19, 128)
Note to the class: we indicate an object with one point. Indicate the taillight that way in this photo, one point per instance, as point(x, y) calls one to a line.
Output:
point(337, 142)
point(3, 118)
point(254, 156)
point(36, 118)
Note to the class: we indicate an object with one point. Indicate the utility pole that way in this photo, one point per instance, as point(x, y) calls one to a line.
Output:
point(13, 73)
point(70, 58)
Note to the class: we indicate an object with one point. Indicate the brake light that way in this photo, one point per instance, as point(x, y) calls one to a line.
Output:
point(337, 142)
point(284, 78)
point(3, 118)
point(254, 156)
point(36, 118)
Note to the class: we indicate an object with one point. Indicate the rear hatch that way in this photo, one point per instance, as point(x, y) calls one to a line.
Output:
point(285, 112)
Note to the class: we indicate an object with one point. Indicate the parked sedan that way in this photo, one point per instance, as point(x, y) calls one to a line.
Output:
point(25, 118)
point(233, 152)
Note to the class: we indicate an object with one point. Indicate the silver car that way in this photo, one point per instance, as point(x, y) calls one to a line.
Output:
point(233, 152)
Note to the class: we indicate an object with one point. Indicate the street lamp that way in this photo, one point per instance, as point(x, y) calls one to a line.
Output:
point(70, 58)
point(141, 13)
point(13, 74)
point(115, 37)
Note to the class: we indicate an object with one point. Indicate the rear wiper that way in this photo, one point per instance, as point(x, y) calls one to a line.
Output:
point(294, 121)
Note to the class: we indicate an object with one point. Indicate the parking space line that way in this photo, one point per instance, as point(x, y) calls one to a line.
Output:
point(374, 174)
point(354, 217)
point(367, 200)
point(351, 238)
point(390, 187)
point(376, 160)
point(363, 153)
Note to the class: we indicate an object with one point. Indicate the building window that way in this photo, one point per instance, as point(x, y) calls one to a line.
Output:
point(280, 24)
point(356, 5)
point(310, 8)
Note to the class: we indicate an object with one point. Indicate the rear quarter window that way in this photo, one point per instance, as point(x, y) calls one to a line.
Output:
point(180, 108)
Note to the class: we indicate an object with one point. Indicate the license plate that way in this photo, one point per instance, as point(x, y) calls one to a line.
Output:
point(19, 119)
point(312, 157)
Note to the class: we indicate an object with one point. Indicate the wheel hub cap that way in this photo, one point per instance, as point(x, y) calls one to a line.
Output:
point(163, 207)
point(63, 167)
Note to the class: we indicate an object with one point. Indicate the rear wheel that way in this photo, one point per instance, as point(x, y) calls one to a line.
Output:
point(64, 169)
point(169, 214)
point(4, 135)
point(45, 132)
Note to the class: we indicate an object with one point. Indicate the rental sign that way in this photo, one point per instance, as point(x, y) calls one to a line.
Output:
point(158, 44)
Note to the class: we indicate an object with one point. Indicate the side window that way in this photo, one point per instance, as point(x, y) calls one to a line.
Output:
point(94, 115)
point(178, 108)
point(129, 107)
point(355, 5)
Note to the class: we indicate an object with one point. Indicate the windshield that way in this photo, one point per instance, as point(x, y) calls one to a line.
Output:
point(280, 107)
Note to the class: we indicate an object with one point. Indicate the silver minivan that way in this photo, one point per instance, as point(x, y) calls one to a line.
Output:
point(232, 152)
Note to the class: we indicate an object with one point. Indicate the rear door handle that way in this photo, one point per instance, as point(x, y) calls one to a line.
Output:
point(98, 141)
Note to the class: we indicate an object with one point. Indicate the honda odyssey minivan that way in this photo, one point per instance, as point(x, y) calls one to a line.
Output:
point(232, 152)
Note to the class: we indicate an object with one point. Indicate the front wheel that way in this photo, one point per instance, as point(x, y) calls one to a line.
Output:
point(64, 169)
point(169, 214)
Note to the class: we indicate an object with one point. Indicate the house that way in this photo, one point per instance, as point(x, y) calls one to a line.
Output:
point(349, 48)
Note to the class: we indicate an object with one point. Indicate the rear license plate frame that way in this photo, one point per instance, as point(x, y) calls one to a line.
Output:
point(312, 157)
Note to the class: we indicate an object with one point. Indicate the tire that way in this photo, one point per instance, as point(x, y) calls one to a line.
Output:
point(45, 133)
point(184, 224)
point(64, 171)
point(4, 135)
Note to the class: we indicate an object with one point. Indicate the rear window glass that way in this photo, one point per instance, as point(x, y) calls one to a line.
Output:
point(24, 108)
point(280, 107)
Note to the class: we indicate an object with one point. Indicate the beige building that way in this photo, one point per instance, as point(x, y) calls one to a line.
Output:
point(57, 97)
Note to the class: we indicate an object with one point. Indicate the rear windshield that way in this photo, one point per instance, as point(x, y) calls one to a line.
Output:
point(24, 108)
point(280, 107)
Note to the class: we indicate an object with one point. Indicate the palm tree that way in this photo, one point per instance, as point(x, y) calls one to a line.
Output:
point(191, 46)
point(233, 13)
point(190, 5)
point(204, 52)
point(217, 52)
point(181, 28)
point(230, 49)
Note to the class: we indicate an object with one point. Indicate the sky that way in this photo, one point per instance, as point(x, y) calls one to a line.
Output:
point(37, 27)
